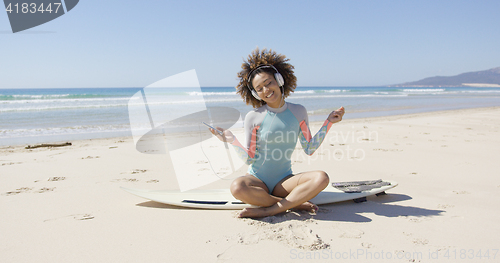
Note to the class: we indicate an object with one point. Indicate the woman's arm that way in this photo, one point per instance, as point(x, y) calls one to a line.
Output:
point(311, 144)
point(247, 154)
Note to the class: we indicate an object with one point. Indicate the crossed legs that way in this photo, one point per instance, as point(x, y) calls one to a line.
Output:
point(293, 191)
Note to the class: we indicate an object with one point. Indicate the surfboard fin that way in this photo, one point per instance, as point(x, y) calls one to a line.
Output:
point(360, 200)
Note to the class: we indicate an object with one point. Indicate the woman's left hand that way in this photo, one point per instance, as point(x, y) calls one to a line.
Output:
point(336, 115)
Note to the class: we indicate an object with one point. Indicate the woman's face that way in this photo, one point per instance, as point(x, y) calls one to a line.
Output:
point(267, 88)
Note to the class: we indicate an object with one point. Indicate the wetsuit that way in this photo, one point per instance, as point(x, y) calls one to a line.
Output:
point(271, 137)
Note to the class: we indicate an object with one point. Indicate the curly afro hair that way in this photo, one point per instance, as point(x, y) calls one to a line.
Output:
point(264, 57)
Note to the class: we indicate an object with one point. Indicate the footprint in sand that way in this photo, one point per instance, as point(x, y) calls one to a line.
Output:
point(18, 191)
point(46, 189)
point(352, 233)
point(444, 206)
point(420, 241)
point(125, 180)
point(135, 171)
point(388, 150)
point(417, 241)
point(461, 192)
point(413, 219)
point(53, 179)
point(76, 217)
point(366, 245)
point(83, 217)
point(91, 157)
point(11, 163)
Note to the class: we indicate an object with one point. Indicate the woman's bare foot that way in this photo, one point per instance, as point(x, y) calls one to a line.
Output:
point(307, 206)
point(255, 212)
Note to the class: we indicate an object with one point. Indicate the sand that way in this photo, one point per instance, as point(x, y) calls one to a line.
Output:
point(65, 205)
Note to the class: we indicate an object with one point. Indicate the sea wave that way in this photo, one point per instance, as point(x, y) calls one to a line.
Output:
point(480, 91)
point(423, 90)
point(62, 100)
point(349, 96)
point(197, 93)
point(13, 133)
point(45, 97)
point(96, 106)
point(320, 91)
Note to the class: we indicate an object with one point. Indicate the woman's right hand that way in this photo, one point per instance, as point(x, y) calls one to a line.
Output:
point(227, 135)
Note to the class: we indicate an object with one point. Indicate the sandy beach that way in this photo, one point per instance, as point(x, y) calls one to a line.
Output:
point(65, 204)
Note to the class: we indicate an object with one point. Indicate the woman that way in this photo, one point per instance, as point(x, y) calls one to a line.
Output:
point(272, 130)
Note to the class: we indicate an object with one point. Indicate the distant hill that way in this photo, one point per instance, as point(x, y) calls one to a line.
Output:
point(485, 78)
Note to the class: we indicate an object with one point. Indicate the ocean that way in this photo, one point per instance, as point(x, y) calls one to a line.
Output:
point(29, 116)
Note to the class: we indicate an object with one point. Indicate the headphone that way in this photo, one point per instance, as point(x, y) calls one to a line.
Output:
point(277, 76)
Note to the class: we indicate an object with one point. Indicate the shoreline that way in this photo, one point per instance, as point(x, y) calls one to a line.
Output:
point(312, 123)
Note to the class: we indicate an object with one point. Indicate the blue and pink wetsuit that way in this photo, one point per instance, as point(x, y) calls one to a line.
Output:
point(271, 137)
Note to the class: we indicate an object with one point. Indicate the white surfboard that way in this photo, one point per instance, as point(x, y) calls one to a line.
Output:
point(223, 199)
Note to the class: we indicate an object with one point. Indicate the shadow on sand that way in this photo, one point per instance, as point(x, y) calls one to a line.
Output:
point(347, 211)
point(382, 206)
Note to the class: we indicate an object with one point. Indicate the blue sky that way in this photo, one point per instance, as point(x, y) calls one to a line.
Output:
point(331, 43)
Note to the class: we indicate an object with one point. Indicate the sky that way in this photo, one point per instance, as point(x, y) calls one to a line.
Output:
point(330, 43)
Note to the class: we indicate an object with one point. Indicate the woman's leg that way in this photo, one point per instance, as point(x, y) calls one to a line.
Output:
point(252, 190)
point(295, 190)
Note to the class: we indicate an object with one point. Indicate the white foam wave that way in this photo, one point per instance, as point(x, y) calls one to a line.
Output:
point(62, 100)
point(14, 133)
point(480, 91)
point(68, 106)
point(60, 107)
point(41, 96)
point(423, 90)
point(348, 96)
point(197, 93)
point(320, 91)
